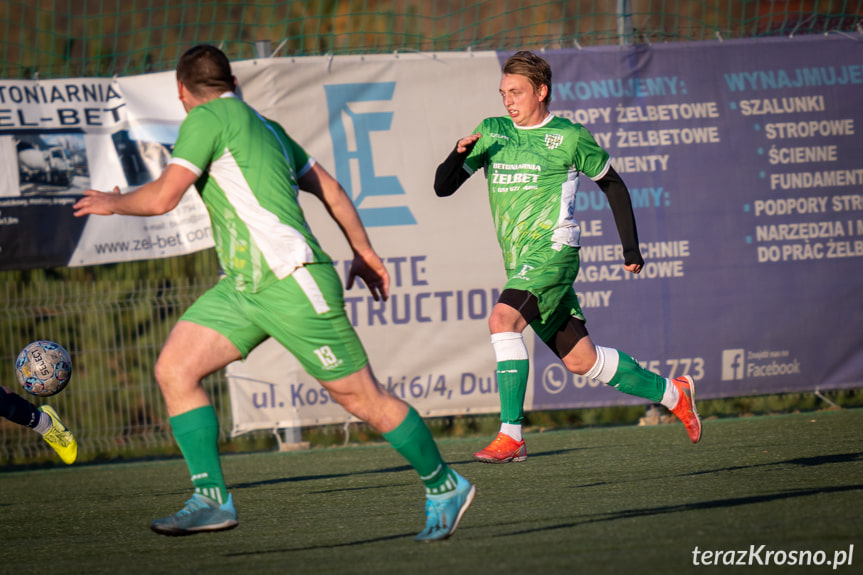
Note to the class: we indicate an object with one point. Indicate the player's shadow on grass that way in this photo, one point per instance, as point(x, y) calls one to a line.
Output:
point(597, 518)
point(802, 461)
point(700, 506)
point(300, 478)
point(363, 488)
point(323, 546)
point(535, 454)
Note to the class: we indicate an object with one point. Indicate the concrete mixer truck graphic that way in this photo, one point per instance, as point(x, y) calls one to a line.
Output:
point(51, 165)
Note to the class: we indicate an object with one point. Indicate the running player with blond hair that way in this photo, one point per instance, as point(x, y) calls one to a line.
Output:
point(532, 160)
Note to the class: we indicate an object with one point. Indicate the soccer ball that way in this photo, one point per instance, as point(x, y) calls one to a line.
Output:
point(43, 368)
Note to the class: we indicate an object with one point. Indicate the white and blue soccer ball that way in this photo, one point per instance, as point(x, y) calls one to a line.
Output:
point(43, 368)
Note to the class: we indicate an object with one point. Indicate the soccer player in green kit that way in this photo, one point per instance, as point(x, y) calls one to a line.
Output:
point(532, 159)
point(279, 283)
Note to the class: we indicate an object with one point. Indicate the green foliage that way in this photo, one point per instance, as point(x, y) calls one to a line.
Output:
point(61, 39)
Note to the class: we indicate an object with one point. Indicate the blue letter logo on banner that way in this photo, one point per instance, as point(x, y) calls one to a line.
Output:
point(362, 124)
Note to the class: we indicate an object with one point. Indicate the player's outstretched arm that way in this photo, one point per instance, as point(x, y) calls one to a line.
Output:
point(450, 174)
point(367, 265)
point(152, 199)
point(621, 207)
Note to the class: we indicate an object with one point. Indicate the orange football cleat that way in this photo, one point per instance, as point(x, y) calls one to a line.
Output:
point(502, 450)
point(685, 408)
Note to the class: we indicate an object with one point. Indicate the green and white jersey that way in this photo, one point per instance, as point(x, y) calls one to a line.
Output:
point(248, 169)
point(532, 181)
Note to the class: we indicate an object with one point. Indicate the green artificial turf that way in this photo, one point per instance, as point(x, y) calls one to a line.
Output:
point(610, 500)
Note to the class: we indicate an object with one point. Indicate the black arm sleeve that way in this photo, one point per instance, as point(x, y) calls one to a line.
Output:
point(621, 208)
point(450, 175)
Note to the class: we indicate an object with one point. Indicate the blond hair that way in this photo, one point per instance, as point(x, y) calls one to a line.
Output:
point(532, 67)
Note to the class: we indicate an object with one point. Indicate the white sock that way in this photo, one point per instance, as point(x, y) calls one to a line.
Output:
point(511, 429)
point(671, 395)
point(508, 345)
point(45, 423)
point(605, 368)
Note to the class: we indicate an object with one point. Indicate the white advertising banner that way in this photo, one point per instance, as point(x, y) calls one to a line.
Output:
point(60, 137)
point(381, 125)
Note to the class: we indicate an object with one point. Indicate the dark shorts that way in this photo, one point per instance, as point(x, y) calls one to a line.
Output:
point(549, 275)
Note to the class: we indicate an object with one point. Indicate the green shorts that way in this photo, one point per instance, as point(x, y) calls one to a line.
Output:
point(549, 274)
point(305, 312)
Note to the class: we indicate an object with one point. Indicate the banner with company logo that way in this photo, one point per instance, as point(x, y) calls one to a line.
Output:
point(744, 163)
point(742, 159)
point(380, 125)
point(60, 137)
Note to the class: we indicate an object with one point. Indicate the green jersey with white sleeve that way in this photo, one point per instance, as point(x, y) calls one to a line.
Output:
point(248, 169)
point(533, 180)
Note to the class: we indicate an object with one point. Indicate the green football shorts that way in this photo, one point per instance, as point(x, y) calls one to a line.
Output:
point(305, 312)
point(548, 274)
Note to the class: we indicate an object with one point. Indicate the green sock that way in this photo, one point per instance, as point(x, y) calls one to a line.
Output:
point(512, 385)
point(413, 440)
point(197, 434)
point(633, 379)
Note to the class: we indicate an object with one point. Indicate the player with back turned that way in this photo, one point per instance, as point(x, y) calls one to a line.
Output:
point(532, 160)
point(279, 283)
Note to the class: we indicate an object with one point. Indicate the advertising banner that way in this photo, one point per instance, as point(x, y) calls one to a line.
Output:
point(60, 137)
point(743, 159)
point(380, 125)
point(744, 163)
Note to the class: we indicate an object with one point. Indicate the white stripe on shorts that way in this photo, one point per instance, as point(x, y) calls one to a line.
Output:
point(310, 288)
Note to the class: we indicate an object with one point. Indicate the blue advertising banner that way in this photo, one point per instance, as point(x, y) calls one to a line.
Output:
point(743, 159)
point(745, 164)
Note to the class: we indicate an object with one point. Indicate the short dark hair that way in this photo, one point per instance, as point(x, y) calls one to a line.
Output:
point(532, 67)
point(205, 69)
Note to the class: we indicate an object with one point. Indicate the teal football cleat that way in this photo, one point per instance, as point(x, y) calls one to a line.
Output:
point(199, 515)
point(443, 512)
